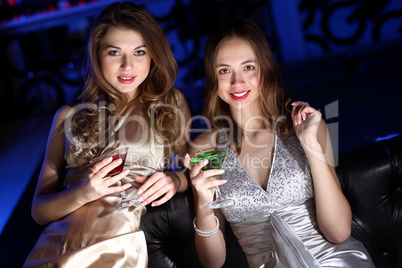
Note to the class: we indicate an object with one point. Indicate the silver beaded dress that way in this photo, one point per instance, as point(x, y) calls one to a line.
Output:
point(277, 227)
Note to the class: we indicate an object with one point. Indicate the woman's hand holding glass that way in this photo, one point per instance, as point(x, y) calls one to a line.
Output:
point(201, 181)
point(97, 183)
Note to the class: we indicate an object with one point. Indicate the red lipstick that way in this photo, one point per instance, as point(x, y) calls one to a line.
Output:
point(126, 79)
point(241, 95)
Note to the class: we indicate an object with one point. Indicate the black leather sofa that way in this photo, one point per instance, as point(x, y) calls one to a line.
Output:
point(371, 178)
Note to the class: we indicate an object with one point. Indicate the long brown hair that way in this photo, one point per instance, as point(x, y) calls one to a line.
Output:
point(156, 89)
point(275, 100)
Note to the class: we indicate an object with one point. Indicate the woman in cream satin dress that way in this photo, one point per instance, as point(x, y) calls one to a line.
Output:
point(289, 209)
point(128, 101)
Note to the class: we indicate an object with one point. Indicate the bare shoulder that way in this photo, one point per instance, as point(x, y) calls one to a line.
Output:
point(178, 94)
point(58, 124)
point(60, 116)
point(182, 104)
point(180, 98)
point(205, 140)
point(63, 112)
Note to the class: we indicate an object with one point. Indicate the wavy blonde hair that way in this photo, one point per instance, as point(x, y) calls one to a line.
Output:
point(156, 90)
point(275, 100)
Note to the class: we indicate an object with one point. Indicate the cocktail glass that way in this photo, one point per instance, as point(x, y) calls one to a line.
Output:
point(115, 154)
point(216, 158)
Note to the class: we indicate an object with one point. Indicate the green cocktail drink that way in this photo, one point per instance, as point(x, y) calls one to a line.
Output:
point(215, 159)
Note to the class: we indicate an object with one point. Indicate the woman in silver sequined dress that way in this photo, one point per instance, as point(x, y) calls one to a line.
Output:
point(289, 209)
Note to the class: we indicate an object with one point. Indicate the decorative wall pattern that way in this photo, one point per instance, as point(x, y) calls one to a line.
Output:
point(43, 46)
point(333, 25)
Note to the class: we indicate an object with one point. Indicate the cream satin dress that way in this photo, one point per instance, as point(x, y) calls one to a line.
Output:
point(98, 234)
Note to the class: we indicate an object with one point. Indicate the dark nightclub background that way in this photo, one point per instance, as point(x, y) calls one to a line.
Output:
point(342, 56)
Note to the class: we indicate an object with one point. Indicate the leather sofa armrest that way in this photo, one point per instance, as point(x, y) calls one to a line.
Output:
point(371, 179)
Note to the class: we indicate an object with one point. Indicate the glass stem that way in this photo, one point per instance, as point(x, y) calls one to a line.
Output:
point(122, 193)
point(218, 195)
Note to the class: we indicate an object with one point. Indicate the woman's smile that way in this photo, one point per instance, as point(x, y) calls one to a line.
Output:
point(239, 96)
point(126, 79)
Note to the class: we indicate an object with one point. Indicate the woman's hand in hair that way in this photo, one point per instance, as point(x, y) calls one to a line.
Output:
point(306, 122)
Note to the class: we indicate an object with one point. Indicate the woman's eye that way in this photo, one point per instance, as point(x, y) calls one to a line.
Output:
point(249, 68)
point(113, 53)
point(223, 71)
point(139, 53)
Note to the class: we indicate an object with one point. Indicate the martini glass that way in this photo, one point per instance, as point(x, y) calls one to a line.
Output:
point(216, 158)
point(116, 154)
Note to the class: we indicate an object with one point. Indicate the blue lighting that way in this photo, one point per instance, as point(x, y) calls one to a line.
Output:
point(199, 82)
point(387, 136)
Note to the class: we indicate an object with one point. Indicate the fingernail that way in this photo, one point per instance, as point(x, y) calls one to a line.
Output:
point(126, 171)
point(205, 161)
point(186, 155)
point(109, 159)
point(224, 181)
point(152, 205)
point(221, 171)
point(144, 203)
point(140, 192)
point(140, 198)
point(119, 160)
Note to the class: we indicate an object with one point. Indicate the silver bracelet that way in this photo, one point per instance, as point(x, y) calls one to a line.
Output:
point(206, 234)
